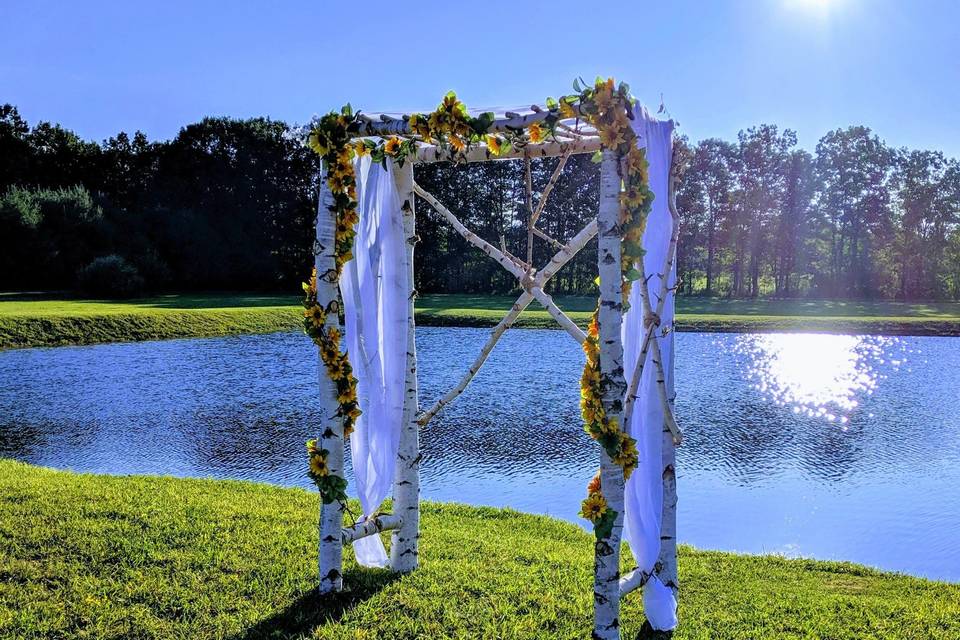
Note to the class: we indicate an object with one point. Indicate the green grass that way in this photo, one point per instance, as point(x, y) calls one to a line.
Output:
point(30, 321)
point(85, 556)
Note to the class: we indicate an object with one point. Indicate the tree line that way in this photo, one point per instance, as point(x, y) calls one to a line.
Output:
point(228, 204)
point(855, 219)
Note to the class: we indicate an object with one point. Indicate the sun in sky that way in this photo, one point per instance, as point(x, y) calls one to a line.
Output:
point(818, 8)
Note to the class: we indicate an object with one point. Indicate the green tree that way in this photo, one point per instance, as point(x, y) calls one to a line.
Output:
point(927, 188)
point(853, 170)
point(763, 156)
point(705, 200)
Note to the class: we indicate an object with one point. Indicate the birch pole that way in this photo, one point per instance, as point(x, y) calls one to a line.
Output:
point(330, 562)
point(404, 548)
point(667, 560)
point(606, 567)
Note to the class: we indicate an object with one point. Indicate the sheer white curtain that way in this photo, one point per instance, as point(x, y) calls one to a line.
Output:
point(375, 286)
point(644, 490)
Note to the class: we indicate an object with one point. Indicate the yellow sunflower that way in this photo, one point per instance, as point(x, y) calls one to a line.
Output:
point(316, 315)
point(535, 132)
point(360, 149)
point(566, 110)
point(333, 335)
point(318, 465)
point(603, 98)
point(494, 144)
point(458, 143)
point(593, 507)
point(594, 486)
point(611, 137)
point(336, 368)
point(637, 163)
point(314, 142)
point(344, 160)
point(593, 330)
point(392, 146)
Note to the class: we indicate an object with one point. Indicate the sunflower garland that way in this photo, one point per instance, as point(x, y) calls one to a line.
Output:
point(608, 108)
point(331, 487)
point(331, 139)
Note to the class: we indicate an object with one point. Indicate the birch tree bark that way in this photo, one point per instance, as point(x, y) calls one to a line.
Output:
point(606, 584)
point(370, 527)
point(330, 562)
point(667, 560)
point(404, 548)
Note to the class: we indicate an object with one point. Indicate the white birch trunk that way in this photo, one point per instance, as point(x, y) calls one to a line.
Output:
point(606, 583)
point(667, 560)
point(666, 566)
point(331, 427)
point(404, 548)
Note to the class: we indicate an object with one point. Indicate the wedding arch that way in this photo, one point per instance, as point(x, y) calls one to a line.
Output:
point(365, 240)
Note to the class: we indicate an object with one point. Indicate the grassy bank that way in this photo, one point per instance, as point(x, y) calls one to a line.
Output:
point(27, 321)
point(85, 556)
point(713, 314)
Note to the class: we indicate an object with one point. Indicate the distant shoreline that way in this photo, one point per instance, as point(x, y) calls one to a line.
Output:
point(31, 321)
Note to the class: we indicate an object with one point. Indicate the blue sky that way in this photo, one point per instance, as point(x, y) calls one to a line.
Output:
point(810, 65)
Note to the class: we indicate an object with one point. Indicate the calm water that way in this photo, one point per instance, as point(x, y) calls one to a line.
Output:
point(841, 447)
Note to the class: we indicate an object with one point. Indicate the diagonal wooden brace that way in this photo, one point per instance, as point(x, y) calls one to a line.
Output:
point(525, 277)
point(539, 280)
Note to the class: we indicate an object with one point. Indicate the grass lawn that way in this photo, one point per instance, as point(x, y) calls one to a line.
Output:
point(85, 556)
point(29, 321)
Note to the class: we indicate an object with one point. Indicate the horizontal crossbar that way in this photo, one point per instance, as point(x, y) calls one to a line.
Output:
point(480, 152)
point(370, 526)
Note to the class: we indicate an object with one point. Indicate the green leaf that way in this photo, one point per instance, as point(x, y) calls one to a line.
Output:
point(603, 527)
point(597, 157)
point(632, 274)
point(481, 124)
point(552, 104)
point(576, 85)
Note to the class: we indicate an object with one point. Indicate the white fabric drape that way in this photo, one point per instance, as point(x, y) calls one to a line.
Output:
point(644, 489)
point(375, 287)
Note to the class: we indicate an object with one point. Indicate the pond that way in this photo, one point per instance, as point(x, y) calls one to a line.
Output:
point(828, 446)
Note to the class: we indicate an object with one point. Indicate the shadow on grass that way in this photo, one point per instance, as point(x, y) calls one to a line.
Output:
point(648, 633)
point(311, 610)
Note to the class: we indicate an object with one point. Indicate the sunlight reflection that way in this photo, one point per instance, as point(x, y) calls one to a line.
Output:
point(822, 376)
